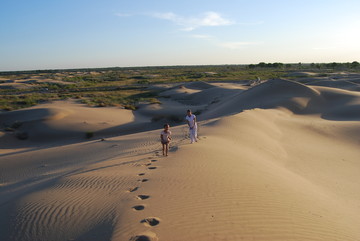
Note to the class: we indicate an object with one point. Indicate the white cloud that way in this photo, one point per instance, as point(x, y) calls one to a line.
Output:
point(168, 16)
point(212, 19)
point(191, 23)
point(237, 45)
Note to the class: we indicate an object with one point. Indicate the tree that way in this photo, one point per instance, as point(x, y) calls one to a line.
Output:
point(262, 64)
point(355, 65)
point(278, 65)
point(333, 65)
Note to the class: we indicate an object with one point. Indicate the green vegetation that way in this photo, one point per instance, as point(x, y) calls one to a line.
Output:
point(126, 87)
point(89, 134)
point(22, 135)
point(337, 66)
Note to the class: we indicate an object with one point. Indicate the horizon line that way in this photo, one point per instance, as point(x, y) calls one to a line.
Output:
point(160, 66)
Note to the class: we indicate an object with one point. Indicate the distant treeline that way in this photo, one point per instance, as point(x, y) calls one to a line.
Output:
point(54, 71)
point(277, 65)
point(333, 65)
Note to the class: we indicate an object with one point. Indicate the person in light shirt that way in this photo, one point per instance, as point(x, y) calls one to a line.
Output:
point(192, 123)
point(165, 137)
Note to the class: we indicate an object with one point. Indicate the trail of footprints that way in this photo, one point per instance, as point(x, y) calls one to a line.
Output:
point(149, 221)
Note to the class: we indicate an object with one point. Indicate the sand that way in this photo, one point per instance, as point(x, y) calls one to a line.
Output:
point(276, 161)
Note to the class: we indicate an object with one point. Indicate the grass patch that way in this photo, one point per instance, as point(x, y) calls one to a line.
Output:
point(89, 134)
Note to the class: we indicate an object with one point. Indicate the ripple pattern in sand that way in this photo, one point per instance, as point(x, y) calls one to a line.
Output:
point(78, 203)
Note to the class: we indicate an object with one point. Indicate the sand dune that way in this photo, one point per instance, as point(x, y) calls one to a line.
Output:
point(342, 84)
point(61, 121)
point(271, 94)
point(277, 161)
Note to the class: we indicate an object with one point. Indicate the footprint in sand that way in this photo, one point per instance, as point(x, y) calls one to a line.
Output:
point(138, 207)
point(152, 168)
point(143, 180)
point(150, 222)
point(133, 189)
point(173, 148)
point(142, 197)
point(143, 237)
point(140, 238)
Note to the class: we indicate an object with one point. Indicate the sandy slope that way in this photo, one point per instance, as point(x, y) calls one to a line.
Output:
point(62, 121)
point(278, 161)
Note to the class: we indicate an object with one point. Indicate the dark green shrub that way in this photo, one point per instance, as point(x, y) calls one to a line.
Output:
point(22, 135)
point(89, 134)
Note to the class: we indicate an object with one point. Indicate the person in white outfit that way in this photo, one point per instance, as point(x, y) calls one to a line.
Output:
point(192, 123)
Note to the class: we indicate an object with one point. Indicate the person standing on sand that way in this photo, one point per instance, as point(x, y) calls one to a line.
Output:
point(192, 123)
point(165, 137)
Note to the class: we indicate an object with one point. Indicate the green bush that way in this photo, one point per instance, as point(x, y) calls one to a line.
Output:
point(89, 134)
point(22, 135)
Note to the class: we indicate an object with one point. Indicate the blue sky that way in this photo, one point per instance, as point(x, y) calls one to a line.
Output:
point(55, 34)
